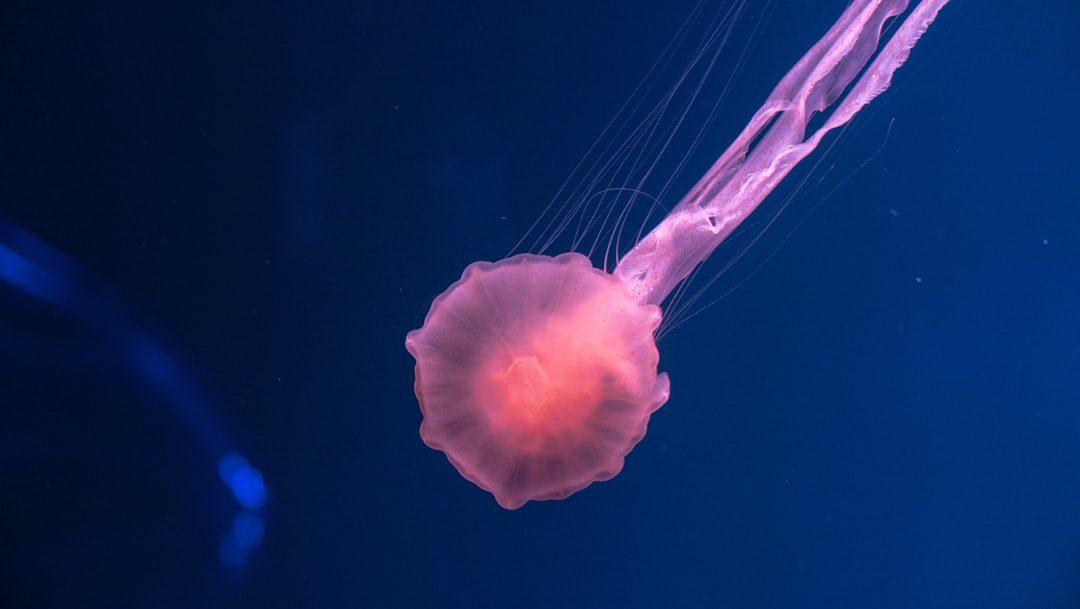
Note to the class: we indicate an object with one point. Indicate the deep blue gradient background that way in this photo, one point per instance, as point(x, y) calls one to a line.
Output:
point(885, 414)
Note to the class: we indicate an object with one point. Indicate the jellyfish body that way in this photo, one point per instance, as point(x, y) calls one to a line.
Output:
point(537, 376)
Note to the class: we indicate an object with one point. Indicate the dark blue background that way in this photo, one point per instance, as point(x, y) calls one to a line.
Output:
point(886, 414)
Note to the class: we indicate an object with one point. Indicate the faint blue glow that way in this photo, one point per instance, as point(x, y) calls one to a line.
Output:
point(245, 482)
point(248, 529)
point(152, 359)
point(27, 276)
point(245, 536)
point(35, 269)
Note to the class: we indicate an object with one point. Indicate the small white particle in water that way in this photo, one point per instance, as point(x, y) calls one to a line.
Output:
point(918, 280)
point(1046, 242)
point(894, 212)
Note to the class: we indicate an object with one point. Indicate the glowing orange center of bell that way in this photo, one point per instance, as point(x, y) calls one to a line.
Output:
point(529, 384)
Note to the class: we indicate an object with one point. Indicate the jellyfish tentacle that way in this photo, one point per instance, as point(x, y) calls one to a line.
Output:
point(775, 141)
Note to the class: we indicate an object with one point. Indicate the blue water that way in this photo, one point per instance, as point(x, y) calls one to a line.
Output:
point(242, 209)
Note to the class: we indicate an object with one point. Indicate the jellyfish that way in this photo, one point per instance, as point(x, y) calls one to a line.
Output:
point(537, 375)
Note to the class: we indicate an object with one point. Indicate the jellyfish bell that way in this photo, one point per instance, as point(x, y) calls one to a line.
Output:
point(537, 375)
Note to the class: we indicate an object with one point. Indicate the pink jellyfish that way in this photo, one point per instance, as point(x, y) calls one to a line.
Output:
point(537, 375)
